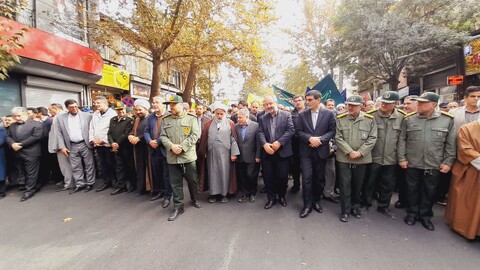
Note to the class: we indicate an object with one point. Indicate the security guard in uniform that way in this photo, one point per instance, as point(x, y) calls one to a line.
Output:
point(119, 129)
point(384, 154)
point(356, 136)
point(179, 135)
point(426, 147)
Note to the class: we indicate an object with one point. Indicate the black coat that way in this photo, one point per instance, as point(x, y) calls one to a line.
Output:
point(29, 137)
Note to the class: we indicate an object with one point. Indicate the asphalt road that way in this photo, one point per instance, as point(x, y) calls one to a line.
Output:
point(98, 231)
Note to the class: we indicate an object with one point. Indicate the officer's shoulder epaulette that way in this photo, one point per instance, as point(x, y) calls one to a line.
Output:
point(369, 115)
point(341, 115)
point(191, 114)
point(409, 114)
point(402, 111)
point(166, 116)
point(447, 114)
point(372, 111)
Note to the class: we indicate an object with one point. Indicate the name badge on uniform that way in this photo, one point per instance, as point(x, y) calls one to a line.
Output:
point(186, 130)
point(168, 125)
point(439, 133)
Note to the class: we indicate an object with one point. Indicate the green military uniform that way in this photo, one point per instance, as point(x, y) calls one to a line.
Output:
point(384, 154)
point(425, 143)
point(353, 134)
point(182, 130)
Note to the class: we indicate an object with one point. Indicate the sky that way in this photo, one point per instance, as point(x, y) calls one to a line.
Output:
point(290, 16)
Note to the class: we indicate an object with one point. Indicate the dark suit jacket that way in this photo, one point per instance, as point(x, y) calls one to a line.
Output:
point(250, 146)
point(29, 137)
point(149, 135)
point(283, 133)
point(325, 128)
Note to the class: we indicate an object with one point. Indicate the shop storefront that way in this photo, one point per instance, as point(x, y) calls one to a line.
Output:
point(49, 71)
point(114, 84)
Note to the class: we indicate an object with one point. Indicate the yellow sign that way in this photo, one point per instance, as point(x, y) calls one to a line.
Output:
point(472, 57)
point(115, 77)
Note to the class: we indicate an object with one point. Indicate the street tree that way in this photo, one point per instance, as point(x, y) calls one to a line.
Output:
point(193, 35)
point(298, 77)
point(10, 39)
point(380, 38)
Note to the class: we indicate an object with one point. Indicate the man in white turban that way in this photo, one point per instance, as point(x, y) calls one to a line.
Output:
point(219, 145)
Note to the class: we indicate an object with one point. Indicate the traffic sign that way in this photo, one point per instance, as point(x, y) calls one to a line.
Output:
point(453, 80)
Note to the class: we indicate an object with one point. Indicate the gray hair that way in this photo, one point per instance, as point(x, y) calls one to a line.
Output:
point(102, 99)
point(244, 112)
point(20, 110)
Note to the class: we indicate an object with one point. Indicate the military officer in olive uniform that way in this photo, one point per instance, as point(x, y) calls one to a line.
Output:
point(119, 129)
point(384, 154)
point(426, 147)
point(179, 135)
point(356, 136)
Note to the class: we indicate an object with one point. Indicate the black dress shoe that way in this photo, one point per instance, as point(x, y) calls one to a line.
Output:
point(131, 189)
point(295, 189)
point(410, 220)
point(282, 201)
point(102, 188)
point(166, 202)
point(332, 199)
point(399, 205)
point(356, 214)
point(175, 214)
point(252, 198)
point(196, 204)
point(344, 218)
point(75, 190)
point(263, 190)
point(317, 207)
point(305, 212)
point(243, 199)
point(58, 189)
point(26, 197)
point(88, 188)
point(386, 212)
point(269, 204)
point(156, 197)
point(118, 191)
point(427, 224)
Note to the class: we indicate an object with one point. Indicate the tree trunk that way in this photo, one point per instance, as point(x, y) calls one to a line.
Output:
point(190, 83)
point(156, 75)
point(393, 83)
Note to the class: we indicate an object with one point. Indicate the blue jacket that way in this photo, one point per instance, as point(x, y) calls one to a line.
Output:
point(149, 135)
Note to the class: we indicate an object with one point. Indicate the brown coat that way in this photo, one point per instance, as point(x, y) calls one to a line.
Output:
point(202, 160)
point(463, 207)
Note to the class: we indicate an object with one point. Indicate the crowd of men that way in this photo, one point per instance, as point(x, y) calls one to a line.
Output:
point(352, 154)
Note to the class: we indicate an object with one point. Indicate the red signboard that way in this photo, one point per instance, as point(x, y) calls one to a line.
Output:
point(48, 48)
point(453, 80)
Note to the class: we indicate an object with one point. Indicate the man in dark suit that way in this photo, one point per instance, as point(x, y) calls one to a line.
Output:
point(158, 154)
point(48, 160)
point(316, 127)
point(73, 142)
point(275, 133)
point(248, 163)
point(299, 102)
point(24, 138)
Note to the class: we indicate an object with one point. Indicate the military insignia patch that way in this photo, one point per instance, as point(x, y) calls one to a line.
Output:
point(186, 130)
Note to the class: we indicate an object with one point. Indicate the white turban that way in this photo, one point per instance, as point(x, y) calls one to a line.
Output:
point(218, 105)
point(142, 102)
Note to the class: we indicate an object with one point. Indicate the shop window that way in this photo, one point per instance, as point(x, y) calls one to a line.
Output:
point(11, 96)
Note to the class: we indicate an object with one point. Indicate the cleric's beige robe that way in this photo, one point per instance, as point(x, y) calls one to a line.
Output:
point(463, 207)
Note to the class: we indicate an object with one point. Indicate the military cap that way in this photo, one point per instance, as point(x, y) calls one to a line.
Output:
point(174, 99)
point(354, 100)
point(428, 97)
point(390, 97)
point(119, 105)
